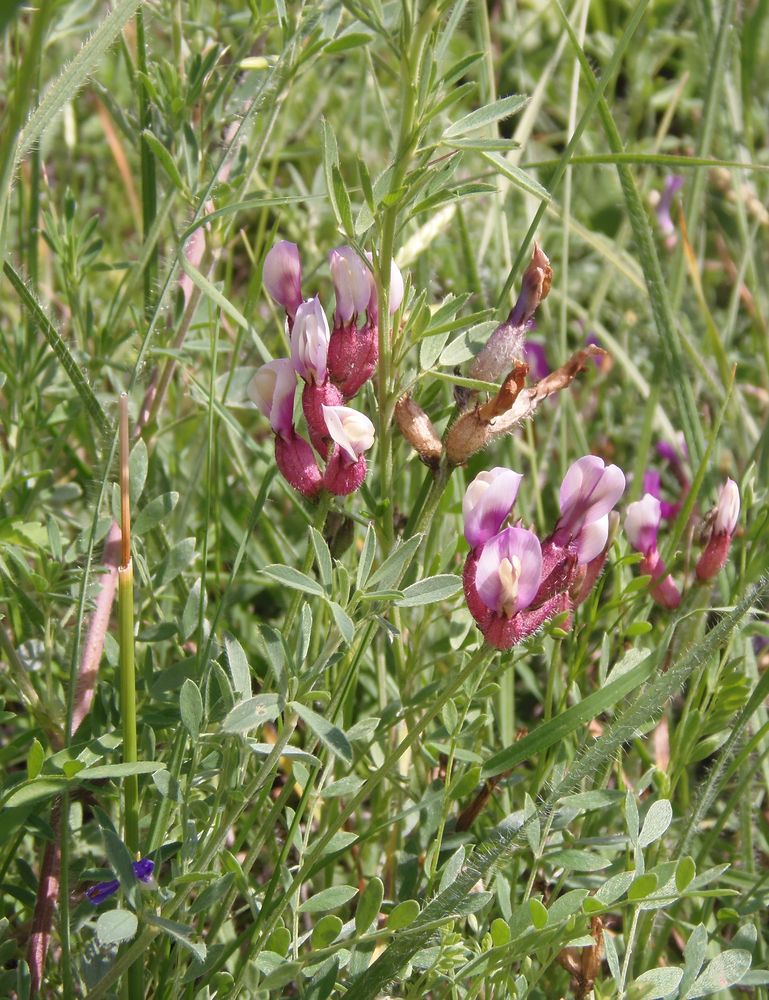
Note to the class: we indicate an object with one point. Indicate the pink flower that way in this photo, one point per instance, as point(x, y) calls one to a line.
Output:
point(353, 434)
point(589, 490)
point(282, 276)
point(642, 523)
point(272, 389)
point(508, 571)
point(351, 430)
point(724, 519)
point(501, 584)
point(591, 541)
point(488, 501)
point(353, 285)
point(309, 342)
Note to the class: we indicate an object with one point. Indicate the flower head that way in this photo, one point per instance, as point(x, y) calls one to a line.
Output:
point(508, 571)
point(353, 284)
point(272, 389)
point(309, 342)
point(351, 430)
point(642, 523)
point(143, 870)
point(488, 501)
point(282, 275)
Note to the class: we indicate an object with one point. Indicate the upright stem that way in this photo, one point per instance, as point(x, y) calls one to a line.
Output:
point(133, 986)
point(149, 184)
point(319, 523)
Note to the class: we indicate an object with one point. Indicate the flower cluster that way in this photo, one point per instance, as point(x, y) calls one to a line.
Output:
point(333, 364)
point(642, 526)
point(514, 583)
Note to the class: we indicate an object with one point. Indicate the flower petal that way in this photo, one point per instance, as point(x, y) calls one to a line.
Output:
point(487, 502)
point(509, 570)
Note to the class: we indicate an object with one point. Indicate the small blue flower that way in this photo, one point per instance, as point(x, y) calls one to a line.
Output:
point(143, 870)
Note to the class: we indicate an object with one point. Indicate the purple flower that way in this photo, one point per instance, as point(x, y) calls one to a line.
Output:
point(272, 389)
point(282, 276)
point(641, 526)
point(642, 523)
point(592, 540)
point(673, 184)
point(673, 453)
point(508, 571)
point(309, 342)
point(535, 357)
point(142, 869)
point(488, 501)
point(589, 490)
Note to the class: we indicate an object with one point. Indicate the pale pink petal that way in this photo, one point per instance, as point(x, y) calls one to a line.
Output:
point(487, 502)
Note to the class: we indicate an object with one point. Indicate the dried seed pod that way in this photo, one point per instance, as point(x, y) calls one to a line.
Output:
point(418, 430)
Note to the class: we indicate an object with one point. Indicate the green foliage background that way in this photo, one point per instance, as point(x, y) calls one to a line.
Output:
point(311, 730)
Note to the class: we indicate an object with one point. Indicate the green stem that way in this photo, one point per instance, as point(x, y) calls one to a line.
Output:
point(128, 705)
point(319, 523)
point(133, 986)
point(149, 183)
point(477, 662)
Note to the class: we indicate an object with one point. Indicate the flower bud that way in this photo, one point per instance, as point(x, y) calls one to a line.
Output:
point(418, 430)
point(309, 342)
point(282, 276)
point(352, 284)
point(272, 389)
point(296, 461)
point(724, 519)
point(353, 356)
point(727, 509)
point(488, 502)
point(505, 345)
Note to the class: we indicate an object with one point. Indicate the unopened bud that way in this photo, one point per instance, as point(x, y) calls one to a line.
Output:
point(418, 430)
point(505, 345)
